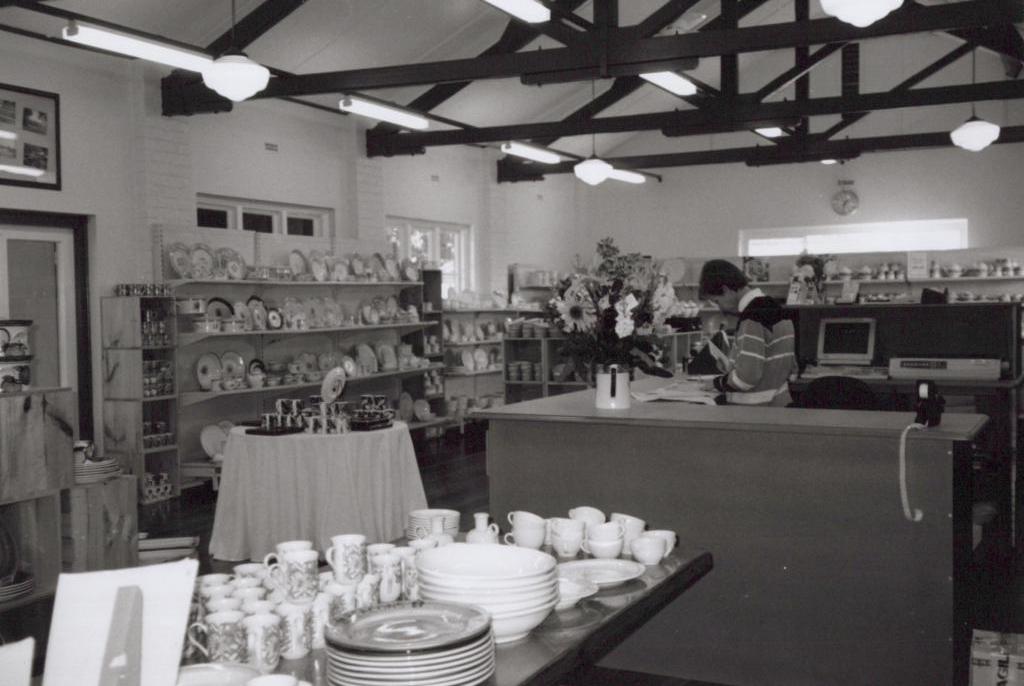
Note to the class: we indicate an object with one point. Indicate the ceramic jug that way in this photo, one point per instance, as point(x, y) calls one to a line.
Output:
point(482, 532)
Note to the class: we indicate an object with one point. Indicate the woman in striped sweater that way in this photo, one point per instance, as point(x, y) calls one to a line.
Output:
point(762, 355)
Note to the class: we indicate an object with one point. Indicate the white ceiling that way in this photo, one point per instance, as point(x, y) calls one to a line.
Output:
point(334, 35)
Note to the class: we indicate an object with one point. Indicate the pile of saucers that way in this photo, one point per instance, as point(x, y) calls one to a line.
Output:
point(517, 586)
point(418, 523)
point(23, 584)
point(418, 644)
point(91, 472)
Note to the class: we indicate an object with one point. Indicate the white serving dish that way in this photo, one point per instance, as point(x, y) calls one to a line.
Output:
point(482, 564)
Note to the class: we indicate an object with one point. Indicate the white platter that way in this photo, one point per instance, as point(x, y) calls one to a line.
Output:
point(603, 573)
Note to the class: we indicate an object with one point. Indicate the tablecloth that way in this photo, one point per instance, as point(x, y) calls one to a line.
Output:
point(313, 487)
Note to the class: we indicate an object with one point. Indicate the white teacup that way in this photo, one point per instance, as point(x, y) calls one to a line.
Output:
point(668, 536)
point(567, 545)
point(246, 582)
point(347, 557)
point(588, 515)
point(609, 531)
point(223, 604)
point(521, 518)
point(246, 594)
point(648, 549)
point(603, 549)
point(247, 569)
point(213, 579)
point(208, 593)
point(526, 537)
point(263, 641)
point(567, 526)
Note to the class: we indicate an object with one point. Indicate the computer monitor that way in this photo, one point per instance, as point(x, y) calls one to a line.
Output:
point(846, 341)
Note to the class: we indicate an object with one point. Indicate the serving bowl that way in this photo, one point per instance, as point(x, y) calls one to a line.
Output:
point(482, 564)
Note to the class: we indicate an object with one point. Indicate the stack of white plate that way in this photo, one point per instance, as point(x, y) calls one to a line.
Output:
point(517, 586)
point(417, 524)
point(91, 472)
point(22, 585)
point(414, 644)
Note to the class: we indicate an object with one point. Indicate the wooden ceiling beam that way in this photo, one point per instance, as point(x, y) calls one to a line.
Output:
point(256, 23)
point(799, 151)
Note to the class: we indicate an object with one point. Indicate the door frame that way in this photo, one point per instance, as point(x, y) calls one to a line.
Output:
point(79, 226)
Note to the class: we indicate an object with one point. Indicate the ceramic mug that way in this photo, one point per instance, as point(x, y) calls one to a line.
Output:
point(368, 592)
point(632, 527)
point(296, 575)
point(343, 598)
point(389, 568)
point(567, 545)
point(608, 531)
point(648, 550)
point(603, 549)
point(286, 547)
point(525, 538)
point(375, 549)
point(263, 641)
point(225, 636)
point(668, 536)
point(296, 629)
point(347, 557)
point(321, 617)
point(521, 518)
point(588, 515)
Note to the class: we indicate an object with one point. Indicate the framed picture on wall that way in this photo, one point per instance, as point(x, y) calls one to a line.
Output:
point(29, 138)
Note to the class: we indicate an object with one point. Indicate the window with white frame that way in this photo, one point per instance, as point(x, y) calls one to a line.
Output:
point(238, 214)
point(445, 245)
point(928, 234)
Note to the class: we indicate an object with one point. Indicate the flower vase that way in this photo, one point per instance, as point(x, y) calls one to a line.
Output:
point(613, 389)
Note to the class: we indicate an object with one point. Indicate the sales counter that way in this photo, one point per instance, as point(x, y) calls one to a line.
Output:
point(820, 578)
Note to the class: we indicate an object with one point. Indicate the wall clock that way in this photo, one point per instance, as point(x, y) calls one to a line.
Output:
point(846, 201)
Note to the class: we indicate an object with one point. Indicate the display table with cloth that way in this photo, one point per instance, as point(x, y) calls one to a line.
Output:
point(313, 487)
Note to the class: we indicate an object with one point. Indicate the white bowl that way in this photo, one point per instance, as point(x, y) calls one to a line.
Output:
point(493, 604)
point(468, 562)
point(518, 584)
point(541, 587)
point(512, 627)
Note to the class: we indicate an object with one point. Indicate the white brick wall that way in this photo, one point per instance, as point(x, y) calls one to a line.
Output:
point(370, 199)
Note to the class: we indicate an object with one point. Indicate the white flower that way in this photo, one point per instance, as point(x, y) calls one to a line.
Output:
point(624, 325)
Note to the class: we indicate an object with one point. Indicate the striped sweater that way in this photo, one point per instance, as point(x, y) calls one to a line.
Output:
point(762, 355)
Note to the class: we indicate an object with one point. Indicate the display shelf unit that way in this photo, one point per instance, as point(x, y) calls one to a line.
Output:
point(129, 381)
point(36, 461)
point(190, 338)
point(101, 525)
point(267, 283)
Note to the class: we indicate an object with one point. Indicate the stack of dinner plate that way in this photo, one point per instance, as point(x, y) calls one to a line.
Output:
point(517, 586)
point(22, 585)
point(421, 643)
point(417, 524)
point(91, 472)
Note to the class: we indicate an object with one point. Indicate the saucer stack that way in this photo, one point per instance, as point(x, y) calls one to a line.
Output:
point(91, 472)
point(417, 524)
point(22, 585)
point(517, 586)
point(422, 643)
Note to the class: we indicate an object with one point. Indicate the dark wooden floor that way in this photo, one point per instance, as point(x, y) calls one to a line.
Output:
point(454, 476)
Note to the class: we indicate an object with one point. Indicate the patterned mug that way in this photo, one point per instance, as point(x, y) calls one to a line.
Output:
point(225, 636)
point(347, 557)
point(263, 641)
point(296, 629)
point(296, 575)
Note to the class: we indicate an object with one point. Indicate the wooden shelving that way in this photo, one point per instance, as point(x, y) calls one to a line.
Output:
point(485, 372)
point(179, 283)
point(196, 336)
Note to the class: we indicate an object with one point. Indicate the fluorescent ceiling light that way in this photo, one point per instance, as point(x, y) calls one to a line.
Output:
point(593, 171)
point(529, 11)
point(236, 77)
point(627, 176)
point(975, 134)
point(530, 152)
point(134, 46)
point(375, 110)
point(8, 135)
point(18, 169)
point(860, 13)
point(671, 81)
point(770, 132)
point(829, 162)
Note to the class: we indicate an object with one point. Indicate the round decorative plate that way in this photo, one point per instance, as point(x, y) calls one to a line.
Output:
point(254, 300)
point(367, 359)
point(468, 361)
point(297, 262)
point(604, 573)
point(480, 358)
point(274, 318)
point(421, 408)
point(5, 337)
point(325, 361)
point(243, 312)
point(333, 385)
point(232, 365)
point(219, 308)
point(377, 265)
point(404, 627)
point(392, 268)
point(349, 365)
point(406, 409)
point(318, 265)
point(259, 316)
point(340, 270)
point(308, 362)
point(386, 357)
point(356, 265)
point(208, 368)
point(315, 312)
point(181, 262)
point(212, 438)
point(391, 306)
point(203, 261)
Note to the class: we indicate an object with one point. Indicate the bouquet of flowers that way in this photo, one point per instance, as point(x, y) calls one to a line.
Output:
point(610, 311)
point(810, 271)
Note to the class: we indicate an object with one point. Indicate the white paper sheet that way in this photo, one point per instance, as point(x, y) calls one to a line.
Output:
point(82, 615)
point(16, 662)
point(681, 391)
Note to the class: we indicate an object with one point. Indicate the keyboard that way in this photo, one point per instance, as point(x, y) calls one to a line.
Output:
point(816, 371)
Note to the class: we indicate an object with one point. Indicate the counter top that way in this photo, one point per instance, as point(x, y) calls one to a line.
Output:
point(579, 408)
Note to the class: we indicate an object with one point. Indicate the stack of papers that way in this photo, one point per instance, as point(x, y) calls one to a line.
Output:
point(690, 390)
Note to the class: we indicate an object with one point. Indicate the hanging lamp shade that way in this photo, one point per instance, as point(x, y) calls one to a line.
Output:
point(592, 171)
point(236, 77)
point(975, 134)
point(860, 13)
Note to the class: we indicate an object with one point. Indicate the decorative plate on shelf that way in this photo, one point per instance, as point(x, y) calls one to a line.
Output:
point(421, 408)
point(203, 261)
point(325, 361)
point(318, 264)
point(212, 438)
point(333, 385)
point(314, 313)
point(297, 262)
point(231, 263)
point(366, 313)
point(232, 365)
point(392, 268)
point(274, 319)
point(406, 409)
point(356, 265)
point(480, 358)
point(259, 316)
point(256, 366)
point(468, 361)
point(219, 308)
point(367, 358)
point(348, 363)
point(386, 357)
point(208, 368)
point(308, 362)
point(340, 270)
point(391, 306)
point(181, 261)
point(243, 312)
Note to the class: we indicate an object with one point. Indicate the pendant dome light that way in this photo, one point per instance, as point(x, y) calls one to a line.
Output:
point(233, 75)
point(860, 13)
point(975, 134)
point(593, 170)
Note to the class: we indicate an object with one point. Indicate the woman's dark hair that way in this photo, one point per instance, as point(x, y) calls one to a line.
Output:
point(717, 275)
